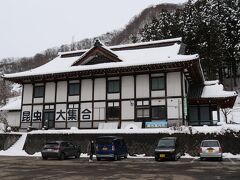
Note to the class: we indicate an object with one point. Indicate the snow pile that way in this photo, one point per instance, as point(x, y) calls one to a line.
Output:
point(188, 156)
point(213, 89)
point(140, 156)
point(17, 148)
point(230, 155)
point(224, 128)
point(12, 104)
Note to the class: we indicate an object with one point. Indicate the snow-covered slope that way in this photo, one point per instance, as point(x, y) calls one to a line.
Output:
point(17, 148)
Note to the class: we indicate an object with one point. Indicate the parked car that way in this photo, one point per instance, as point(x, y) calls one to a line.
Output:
point(60, 150)
point(210, 149)
point(167, 148)
point(110, 147)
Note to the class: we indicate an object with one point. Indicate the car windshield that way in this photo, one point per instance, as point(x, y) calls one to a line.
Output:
point(210, 144)
point(166, 143)
point(104, 141)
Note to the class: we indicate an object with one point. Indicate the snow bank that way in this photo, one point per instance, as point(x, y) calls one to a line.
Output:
point(182, 129)
point(17, 148)
point(230, 155)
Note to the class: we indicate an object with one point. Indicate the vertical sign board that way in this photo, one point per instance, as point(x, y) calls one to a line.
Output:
point(185, 107)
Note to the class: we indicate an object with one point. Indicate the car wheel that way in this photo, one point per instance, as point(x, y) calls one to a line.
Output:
point(44, 158)
point(98, 159)
point(62, 156)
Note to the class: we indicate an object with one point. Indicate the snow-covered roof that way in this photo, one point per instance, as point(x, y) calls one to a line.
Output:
point(130, 57)
point(13, 104)
point(129, 45)
point(213, 89)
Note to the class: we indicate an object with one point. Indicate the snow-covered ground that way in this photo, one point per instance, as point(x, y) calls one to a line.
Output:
point(17, 148)
point(223, 128)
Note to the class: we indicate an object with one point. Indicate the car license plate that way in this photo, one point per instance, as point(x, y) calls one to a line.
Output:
point(104, 148)
point(162, 155)
point(210, 150)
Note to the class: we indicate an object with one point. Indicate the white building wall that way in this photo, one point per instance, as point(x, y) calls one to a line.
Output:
point(86, 106)
point(27, 93)
point(60, 108)
point(36, 108)
point(86, 90)
point(158, 102)
point(127, 110)
point(174, 84)
point(113, 96)
point(158, 93)
point(142, 86)
point(37, 100)
point(174, 106)
point(127, 87)
point(50, 92)
point(61, 91)
point(99, 111)
point(100, 89)
point(73, 98)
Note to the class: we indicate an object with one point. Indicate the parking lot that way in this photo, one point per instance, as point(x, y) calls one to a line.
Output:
point(36, 168)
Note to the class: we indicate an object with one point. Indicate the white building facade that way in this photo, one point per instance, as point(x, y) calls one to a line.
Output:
point(145, 82)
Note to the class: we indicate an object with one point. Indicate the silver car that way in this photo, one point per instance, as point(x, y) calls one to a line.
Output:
point(210, 149)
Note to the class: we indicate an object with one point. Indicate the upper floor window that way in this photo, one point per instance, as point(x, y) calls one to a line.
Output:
point(158, 83)
point(73, 89)
point(113, 86)
point(38, 91)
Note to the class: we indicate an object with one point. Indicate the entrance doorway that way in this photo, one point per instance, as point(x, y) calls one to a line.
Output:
point(48, 119)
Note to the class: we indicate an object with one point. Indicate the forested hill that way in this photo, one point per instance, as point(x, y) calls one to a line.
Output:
point(125, 35)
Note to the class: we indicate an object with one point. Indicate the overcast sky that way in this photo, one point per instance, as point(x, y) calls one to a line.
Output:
point(31, 26)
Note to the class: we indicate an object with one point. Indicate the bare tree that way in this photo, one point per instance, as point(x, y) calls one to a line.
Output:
point(226, 112)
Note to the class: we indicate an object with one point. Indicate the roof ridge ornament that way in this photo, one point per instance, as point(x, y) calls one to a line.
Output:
point(98, 43)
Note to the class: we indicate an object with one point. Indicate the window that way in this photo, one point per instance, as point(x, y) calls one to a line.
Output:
point(113, 86)
point(38, 91)
point(159, 112)
point(113, 110)
point(73, 89)
point(158, 83)
point(143, 113)
point(142, 110)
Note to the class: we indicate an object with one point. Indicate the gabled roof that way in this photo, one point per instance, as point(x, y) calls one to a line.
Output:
point(162, 54)
point(97, 50)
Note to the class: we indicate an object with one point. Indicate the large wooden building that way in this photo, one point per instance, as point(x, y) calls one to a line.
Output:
point(153, 83)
